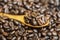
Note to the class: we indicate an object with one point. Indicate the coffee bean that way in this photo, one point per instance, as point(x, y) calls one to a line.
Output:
point(18, 38)
point(30, 35)
point(55, 38)
point(5, 33)
point(54, 33)
point(49, 33)
point(14, 38)
point(35, 30)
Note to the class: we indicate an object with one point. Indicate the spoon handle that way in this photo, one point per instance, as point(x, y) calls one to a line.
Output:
point(17, 17)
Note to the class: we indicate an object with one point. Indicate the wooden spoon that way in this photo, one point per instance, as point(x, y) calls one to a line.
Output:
point(21, 19)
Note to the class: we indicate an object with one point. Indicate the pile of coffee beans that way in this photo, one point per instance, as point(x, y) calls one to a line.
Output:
point(12, 7)
point(20, 6)
point(12, 29)
point(36, 19)
point(38, 12)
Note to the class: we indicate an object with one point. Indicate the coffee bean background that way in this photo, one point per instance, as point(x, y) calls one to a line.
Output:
point(12, 29)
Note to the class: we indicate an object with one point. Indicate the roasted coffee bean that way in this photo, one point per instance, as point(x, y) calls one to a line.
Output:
point(30, 35)
point(47, 37)
point(14, 38)
point(35, 30)
point(39, 34)
point(29, 31)
point(0, 26)
point(49, 33)
point(55, 37)
point(2, 37)
point(18, 38)
point(54, 33)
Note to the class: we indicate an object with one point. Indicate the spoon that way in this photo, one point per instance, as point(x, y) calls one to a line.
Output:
point(21, 18)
